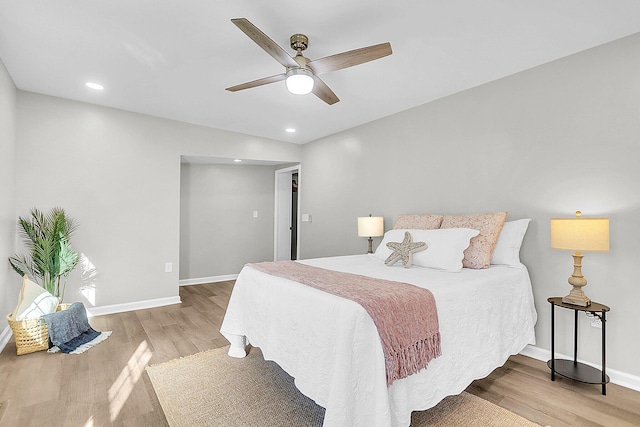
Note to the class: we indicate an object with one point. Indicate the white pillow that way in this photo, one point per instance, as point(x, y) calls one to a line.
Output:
point(445, 246)
point(34, 301)
point(507, 250)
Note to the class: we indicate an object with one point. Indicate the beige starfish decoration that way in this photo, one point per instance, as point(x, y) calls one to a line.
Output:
point(404, 251)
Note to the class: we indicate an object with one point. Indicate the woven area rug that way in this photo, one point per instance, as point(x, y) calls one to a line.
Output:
point(213, 389)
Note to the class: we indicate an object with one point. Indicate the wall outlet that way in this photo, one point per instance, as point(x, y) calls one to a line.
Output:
point(306, 217)
point(255, 214)
point(168, 267)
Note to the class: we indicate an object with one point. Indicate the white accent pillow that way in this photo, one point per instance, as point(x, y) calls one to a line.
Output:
point(445, 246)
point(507, 250)
point(34, 301)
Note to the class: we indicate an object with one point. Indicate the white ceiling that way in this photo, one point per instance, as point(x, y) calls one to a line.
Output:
point(174, 59)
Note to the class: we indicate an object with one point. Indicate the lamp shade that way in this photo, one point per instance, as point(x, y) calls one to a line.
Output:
point(580, 234)
point(370, 226)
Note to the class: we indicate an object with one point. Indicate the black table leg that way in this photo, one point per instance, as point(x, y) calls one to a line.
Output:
point(604, 360)
point(575, 337)
point(553, 341)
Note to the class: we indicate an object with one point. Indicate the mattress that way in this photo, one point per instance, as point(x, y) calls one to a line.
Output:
point(332, 349)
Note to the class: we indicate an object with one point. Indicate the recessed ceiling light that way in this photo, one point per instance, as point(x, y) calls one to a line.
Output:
point(290, 130)
point(237, 160)
point(94, 85)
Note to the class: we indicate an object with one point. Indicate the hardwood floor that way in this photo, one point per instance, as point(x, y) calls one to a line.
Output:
point(108, 386)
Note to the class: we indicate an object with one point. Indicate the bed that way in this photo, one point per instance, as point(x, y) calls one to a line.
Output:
point(331, 346)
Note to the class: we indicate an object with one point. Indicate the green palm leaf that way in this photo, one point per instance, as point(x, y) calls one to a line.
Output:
point(46, 237)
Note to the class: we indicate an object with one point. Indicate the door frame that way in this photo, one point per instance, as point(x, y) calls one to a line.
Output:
point(288, 170)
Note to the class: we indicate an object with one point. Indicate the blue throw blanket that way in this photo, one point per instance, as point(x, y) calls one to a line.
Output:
point(69, 329)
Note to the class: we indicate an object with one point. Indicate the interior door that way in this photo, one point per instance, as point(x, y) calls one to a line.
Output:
point(286, 215)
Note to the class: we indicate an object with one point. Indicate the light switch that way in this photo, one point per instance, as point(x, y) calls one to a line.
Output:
point(255, 214)
point(168, 267)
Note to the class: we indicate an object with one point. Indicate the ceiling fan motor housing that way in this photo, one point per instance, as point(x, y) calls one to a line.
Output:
point(299, 42)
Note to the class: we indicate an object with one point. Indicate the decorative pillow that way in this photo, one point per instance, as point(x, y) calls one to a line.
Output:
point(445, 247)
point(34, 301)
point(404, 251)
point(478, 254)
point(418, 222)
point(507, 250)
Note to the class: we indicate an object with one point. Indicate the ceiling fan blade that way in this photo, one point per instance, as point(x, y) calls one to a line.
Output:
point(322, 91)
point(265, 42)
point(259, 82)
point(350, 58)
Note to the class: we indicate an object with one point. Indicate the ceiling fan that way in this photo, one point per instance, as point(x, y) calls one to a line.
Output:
point(301, 73)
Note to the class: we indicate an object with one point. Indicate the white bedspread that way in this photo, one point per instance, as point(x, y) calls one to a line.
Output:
point(332, 349)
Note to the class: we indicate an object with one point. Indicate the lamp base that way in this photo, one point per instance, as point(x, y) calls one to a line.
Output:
point(370, 250)
point(577, 280)
point(577, 297)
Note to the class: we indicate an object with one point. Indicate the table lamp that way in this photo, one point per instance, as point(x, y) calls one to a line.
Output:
point(370, 226)
point(579, 234)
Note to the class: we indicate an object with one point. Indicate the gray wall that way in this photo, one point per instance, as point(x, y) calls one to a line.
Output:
point(218, 233)
point(9, 281)
point(544, 143)
point(118, 174)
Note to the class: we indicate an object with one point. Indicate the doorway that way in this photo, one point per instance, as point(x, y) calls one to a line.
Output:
point(287, 218)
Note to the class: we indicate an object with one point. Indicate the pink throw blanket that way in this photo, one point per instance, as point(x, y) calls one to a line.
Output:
point(405, 315)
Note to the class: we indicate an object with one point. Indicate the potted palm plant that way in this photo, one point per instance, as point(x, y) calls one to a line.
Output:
point(51, 258)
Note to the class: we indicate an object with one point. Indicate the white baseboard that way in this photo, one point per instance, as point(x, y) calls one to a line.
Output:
point(130, 306)
point(617, 377)
point(5, 336)
point(210, 279)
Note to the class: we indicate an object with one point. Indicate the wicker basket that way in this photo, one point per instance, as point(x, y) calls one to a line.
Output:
point(31, 335)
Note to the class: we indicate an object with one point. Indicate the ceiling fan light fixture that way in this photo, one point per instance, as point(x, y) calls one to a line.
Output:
point(299, 81)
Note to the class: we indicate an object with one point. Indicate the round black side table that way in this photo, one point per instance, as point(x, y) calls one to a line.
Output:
point(573, 369)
